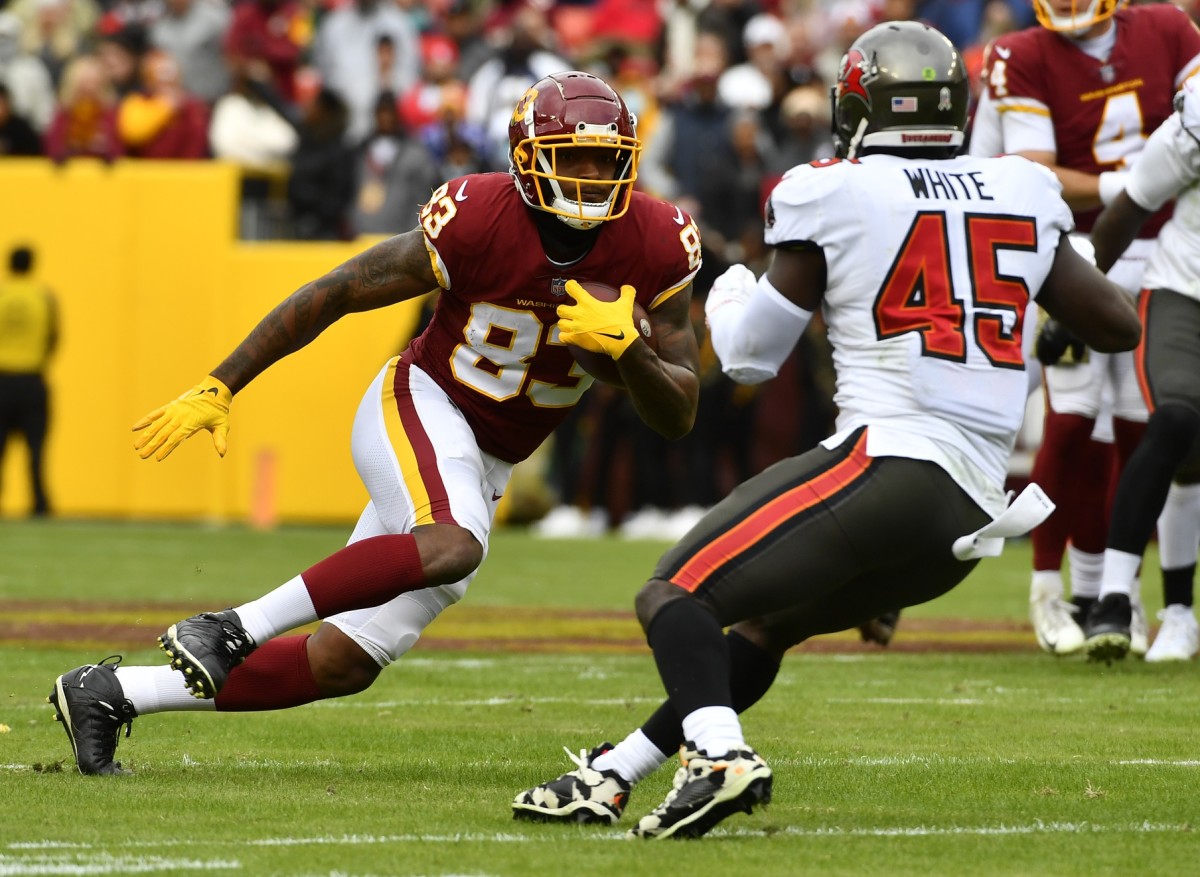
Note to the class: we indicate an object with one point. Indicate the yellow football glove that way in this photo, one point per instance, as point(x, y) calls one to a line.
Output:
point(599, 326)
point(204, 406)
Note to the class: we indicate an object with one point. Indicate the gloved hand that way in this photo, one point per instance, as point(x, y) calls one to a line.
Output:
point(734, 286)
point(1055, 341)
point(599, 326)
point(204, 406)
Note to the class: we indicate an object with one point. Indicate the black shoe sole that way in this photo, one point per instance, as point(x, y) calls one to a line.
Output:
point(757, 793)
point(195, 676)
point(1107, 647)
point(580, 816)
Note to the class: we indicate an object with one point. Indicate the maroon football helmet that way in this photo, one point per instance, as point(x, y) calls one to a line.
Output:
point(565, 111)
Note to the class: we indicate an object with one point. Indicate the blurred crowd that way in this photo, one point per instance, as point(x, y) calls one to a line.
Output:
point(344, 114)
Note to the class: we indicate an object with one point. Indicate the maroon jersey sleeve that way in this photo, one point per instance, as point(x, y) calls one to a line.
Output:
point(492, 343)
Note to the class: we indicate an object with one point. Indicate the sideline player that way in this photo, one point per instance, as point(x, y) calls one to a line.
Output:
point(925, 267)
point(1168, 361)
point(441, 426)
point(1080, 92)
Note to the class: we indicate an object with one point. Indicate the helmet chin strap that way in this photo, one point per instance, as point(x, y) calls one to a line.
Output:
point(852, 147)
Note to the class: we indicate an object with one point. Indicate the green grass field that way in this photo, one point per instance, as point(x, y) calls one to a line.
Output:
point(981, 757)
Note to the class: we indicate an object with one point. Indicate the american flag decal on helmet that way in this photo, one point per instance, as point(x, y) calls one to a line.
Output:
point(904, 105)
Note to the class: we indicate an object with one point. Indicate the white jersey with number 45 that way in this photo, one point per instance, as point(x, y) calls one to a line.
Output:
point(931, 269)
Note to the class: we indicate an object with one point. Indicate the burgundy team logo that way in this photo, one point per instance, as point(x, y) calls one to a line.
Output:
point(851, 78)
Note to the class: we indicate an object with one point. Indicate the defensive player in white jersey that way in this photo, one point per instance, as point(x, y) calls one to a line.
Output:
point(1168, 362)
point(925, 267)
point(1080, 92)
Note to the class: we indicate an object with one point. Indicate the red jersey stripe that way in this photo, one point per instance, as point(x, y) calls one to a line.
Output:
point(749, 532)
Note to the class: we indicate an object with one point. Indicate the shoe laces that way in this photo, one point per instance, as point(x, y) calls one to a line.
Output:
point(122, 712)
point(234, 638)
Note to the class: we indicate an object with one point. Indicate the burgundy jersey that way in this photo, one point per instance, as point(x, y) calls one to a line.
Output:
point(492, 343)
point(1102, 111)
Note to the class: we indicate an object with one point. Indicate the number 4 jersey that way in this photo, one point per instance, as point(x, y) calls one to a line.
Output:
point(492, 343)
point(931, 266)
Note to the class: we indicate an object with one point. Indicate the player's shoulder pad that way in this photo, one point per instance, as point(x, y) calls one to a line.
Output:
point(1033, 169)
point(807, 184)
point(659, 213)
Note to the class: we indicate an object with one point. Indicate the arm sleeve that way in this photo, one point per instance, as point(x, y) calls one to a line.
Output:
point(754, 337)
point(1167, 165)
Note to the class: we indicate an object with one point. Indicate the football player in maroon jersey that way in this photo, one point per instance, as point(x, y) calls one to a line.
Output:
point(1080, 92)
point(442, 425)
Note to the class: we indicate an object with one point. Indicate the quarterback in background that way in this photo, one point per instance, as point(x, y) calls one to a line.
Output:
point(925, 267)
point(1080, 92)
point(441, 426)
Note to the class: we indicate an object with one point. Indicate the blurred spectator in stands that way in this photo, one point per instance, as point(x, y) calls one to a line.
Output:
point(162, 120)
point(845, 21)
point(121, 52)
point(733, 196)
point(396, 173)
point(526, 55)
point(17, 136)
point(85, 123)
point(693, 142)
point(422, 104)
point(462, 25)
point(193, 32)
point(30, 88)
point(276, 32)
point(346, 56)
point(456, 144)
point(56, 30)
point(320, 185)
point(762, 79)
point(247, 130)
point(122, 14)
point(728, 19)
point(963, 21)
point(804, 122)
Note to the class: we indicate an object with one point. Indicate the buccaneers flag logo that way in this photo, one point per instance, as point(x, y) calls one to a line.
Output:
point(850, 80)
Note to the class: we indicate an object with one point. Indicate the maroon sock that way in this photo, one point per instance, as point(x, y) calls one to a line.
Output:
point(1053, 468)
point(1091, 495)
point(274, 677)
point(363, 574)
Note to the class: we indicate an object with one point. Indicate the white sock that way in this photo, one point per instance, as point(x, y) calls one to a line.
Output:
point(1087, 571)
point(634, 758)
point(1179, 527)
point(1046, 583)
point(287, 607)
point(1120, 569)
point(159, 690)
point(714, 729)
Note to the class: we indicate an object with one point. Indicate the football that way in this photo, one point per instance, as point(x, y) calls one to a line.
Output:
point(598, 365)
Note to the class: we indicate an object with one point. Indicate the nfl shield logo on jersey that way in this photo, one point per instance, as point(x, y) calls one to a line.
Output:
point(558, 286)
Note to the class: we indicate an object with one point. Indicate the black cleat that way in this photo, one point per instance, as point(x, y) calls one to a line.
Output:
point(1107, 628)
point(706, 791)
point(92, 707)
point(205, 648)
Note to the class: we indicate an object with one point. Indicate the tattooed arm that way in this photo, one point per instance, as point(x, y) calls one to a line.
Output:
point(392, 271)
